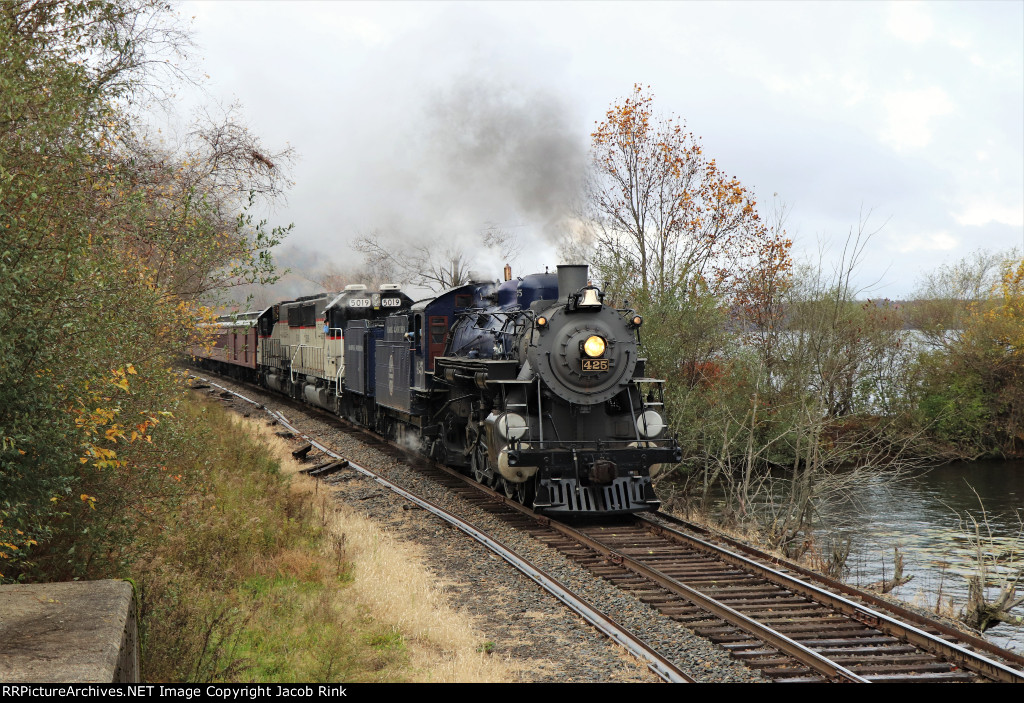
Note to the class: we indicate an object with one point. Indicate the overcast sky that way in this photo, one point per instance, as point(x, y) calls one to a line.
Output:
point(428, 120)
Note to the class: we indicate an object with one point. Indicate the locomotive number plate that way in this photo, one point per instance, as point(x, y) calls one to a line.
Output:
point(595, 364)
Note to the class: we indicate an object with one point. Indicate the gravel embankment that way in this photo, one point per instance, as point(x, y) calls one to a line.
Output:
point(524, 622)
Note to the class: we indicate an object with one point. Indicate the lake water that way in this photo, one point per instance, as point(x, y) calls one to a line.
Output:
point(926, 516)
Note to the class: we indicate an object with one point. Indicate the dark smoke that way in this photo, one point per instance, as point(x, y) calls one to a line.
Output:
point(473, 154)
point(500, 151)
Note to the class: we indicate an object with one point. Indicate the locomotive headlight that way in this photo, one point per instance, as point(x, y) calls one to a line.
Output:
point(594, 346)
point(542, 321)
point(637, 321)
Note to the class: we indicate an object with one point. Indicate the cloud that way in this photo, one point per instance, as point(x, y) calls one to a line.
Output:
point(909, 116)
point(429, 122)
point(982, 210)
point(910, 21)
point(368, 32)
point(934, 241)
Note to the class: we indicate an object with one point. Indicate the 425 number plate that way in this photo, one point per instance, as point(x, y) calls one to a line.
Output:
point(595, 364)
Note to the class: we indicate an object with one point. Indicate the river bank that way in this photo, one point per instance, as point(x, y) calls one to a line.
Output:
point(942, 519)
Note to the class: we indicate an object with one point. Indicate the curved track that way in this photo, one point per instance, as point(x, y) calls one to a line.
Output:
point(638, 648)
point(789, 623)
point(788, 627)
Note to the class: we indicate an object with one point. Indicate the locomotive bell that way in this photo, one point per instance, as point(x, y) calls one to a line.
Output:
point(589, 300)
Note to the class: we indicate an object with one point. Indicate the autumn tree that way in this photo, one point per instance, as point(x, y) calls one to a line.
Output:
point(971, 316)
point(107, 248)
point(667, 218)
point(767, 370)
point(666, 229)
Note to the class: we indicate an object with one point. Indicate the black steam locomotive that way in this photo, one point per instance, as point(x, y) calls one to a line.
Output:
point(533, 386)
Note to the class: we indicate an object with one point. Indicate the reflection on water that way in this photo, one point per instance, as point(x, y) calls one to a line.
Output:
point(925, 517)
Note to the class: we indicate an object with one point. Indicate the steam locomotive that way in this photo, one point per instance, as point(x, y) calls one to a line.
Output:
point(533, 385)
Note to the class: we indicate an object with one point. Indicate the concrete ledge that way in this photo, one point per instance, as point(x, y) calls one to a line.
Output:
point(76, 632)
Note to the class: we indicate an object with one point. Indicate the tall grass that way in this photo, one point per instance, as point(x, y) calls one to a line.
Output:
point(258, 576)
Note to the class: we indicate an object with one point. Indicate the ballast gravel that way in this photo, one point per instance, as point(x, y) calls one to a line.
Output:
point(549, 642)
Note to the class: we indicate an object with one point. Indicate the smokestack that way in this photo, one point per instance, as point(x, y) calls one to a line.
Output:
point(571, 277)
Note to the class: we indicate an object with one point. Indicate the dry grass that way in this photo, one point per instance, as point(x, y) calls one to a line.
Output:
point(389, 583)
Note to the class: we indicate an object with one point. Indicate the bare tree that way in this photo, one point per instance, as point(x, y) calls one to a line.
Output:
point(997, 563)
point(129, 49)
point(233, 161)
point(221, 162)
point(793, 431)
point(334, 278)
point(434, 266)
point(847, 349)
point(208, 185)
point(945, 298)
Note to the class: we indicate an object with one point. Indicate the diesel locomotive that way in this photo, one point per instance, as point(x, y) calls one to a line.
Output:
point(534, 386)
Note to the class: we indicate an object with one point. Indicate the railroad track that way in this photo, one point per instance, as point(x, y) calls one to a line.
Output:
point(788, 623)
point(654, 660)
point(788, 627)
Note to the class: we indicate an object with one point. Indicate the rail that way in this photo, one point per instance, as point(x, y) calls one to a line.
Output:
point(654, 661)
point(814, 661)
point(885, 623)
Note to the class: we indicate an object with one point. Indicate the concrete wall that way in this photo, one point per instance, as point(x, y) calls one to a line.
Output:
point(77, 632)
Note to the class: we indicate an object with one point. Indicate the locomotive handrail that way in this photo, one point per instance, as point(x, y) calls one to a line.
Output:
point(338, 375)
point(667, 442)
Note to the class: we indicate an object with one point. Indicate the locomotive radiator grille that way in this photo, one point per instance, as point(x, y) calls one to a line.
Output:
point(308, 360)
